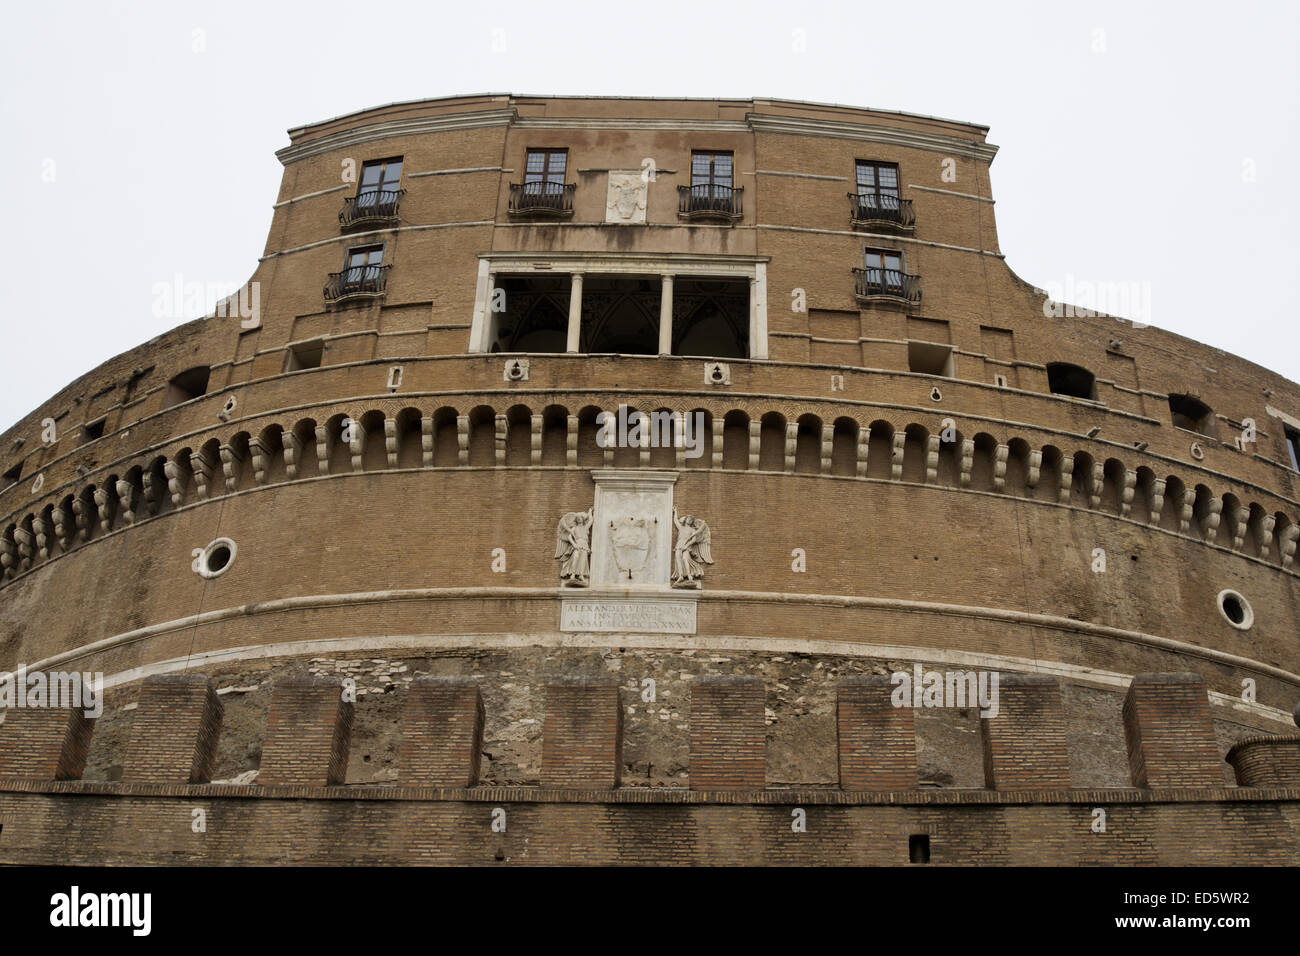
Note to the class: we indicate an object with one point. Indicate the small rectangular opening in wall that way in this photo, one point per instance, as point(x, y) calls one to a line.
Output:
point(187, 386)
point(1293, 446)
point(1000, 381)
point(11, 476)
point(94, 429)
point(305, 355)
point(918, 848)
point(929, 359)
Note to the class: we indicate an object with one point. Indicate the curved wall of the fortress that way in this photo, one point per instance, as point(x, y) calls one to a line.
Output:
point(948, 521)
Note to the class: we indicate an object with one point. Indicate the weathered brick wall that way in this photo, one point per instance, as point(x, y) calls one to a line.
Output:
point(175, 730)
point(1267, 761)
point(877, 741)
point(728, 739)
point(1024, 745)
point(307, 734)
point(1169, 731)
point(574, 827)
point(1180, 819)
point(582, 739)
point(442, 739)
point(49, 743)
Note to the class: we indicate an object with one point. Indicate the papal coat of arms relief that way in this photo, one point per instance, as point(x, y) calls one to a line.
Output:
point(626, 199)
point(630, 538)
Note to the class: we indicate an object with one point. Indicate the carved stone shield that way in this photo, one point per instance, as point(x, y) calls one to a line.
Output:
point(629, 197)
point(631, 540)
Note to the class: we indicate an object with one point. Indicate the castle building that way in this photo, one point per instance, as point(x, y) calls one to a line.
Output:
point(606, 480)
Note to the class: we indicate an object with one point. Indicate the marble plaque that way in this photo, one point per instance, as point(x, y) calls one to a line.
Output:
point(632, 529)
point(632, 614)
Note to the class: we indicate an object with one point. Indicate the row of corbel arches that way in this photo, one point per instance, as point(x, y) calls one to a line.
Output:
point(522, 436)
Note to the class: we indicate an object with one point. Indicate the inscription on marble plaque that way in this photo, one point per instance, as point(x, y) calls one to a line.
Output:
point(659, 617)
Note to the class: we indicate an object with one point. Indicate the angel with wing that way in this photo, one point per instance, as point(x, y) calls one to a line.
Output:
point(573, 548)
point(691, 553)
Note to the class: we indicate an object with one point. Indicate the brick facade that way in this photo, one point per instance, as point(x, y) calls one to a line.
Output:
point(442, 741)
point(174, 734)
point(582, 740)
point(877, 741)
point(1169, 732)
point(307, 735)
point(48, 743)
point(1024, 745)
point(728, 739)
point(390, 488)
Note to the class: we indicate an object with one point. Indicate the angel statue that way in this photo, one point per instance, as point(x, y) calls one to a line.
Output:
point(573, 548)
point(691, 553)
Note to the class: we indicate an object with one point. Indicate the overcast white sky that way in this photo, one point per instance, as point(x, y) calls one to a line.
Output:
point(1151, 143)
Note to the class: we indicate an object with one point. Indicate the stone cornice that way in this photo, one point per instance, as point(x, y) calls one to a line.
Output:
point(319, 602)
point(477, 119)
point(753, 123)
point(889, 135)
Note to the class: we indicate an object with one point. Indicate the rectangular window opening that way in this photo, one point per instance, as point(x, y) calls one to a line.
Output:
point(544, 171)
point(94, 430)
point(877, 185)
point(10, 477)
point(928, 358)
point(1293, 447)
point(918, 848)
point(380, 180)
point(186, 386)
point(305, 355)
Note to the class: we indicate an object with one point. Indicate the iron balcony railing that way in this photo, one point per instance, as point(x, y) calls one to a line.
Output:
point(356, 281)
point(541, 199)
point(882, 208)
point(869, 283)
point(371, 208)
point(710, 201)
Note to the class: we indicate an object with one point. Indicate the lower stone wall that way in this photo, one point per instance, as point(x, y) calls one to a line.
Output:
point(799, 715)
point(142, 824)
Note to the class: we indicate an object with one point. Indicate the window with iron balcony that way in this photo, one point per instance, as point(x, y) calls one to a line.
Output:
point(712, 194)
point(543, 193)
point(364, 276)
point(882, 278)
point(375, 205)
point(877, 203)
